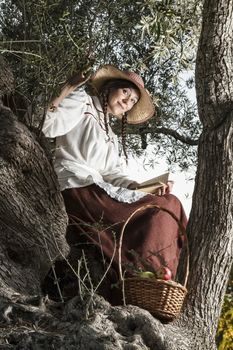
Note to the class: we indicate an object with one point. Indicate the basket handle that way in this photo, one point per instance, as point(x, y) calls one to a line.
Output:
point(181, 227)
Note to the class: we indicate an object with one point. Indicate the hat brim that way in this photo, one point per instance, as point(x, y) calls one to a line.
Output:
point(143, 110)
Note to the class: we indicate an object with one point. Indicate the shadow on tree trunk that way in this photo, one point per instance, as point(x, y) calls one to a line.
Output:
point(32, 214)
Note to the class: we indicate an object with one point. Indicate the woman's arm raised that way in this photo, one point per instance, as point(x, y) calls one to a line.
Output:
point(67, 114)
point(72, 84)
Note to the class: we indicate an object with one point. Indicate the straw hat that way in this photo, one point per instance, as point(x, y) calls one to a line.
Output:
point(144, 108)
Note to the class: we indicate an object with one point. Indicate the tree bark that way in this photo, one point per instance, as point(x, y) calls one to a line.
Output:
point(32, 214)
point(210, 227)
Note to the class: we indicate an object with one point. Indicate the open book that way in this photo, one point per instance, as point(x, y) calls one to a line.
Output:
point(152, 185)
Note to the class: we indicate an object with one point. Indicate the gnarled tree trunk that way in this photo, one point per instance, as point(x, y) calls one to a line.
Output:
point(32, 214)
point(211, 224)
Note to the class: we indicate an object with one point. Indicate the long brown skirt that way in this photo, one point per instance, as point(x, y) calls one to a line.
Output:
point(151, 236)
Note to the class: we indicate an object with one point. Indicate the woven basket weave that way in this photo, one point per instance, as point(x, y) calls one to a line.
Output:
point(163, 299)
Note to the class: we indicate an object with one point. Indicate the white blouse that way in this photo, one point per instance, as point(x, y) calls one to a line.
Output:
point(84, 153)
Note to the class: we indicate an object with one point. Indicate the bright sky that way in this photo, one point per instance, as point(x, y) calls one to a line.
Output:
point(184, 182)
point(183, 186)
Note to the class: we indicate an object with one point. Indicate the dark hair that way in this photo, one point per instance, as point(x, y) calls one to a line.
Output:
point(114, 84)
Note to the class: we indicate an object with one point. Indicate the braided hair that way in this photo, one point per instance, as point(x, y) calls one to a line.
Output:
point(105, 108)
point(123, 134)
point(110, 85)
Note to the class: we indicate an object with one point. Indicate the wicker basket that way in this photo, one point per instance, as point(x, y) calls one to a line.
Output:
point(163, 299)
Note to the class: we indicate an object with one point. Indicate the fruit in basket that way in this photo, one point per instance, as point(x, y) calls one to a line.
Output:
point(146, 274)
point(164, 273)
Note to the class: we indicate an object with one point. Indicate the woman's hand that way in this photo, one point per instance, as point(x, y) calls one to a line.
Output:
point(165, 189)
point(80, 78)
point(133, 185)
point(77, 80)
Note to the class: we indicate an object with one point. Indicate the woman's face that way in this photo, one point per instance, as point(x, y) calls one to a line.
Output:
point(122, 100)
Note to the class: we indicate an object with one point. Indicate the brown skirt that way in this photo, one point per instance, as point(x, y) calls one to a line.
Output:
point(152, 235)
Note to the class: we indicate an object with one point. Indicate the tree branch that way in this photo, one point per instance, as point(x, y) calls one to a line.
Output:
point(167, 131)
point(177, 136)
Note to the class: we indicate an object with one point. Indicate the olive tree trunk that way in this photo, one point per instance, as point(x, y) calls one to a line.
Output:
point(32, 214)
point(211, 224)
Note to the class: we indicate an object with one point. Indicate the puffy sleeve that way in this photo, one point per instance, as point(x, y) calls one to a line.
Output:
point(67, 115)
point(115, 171)
point(118, 178)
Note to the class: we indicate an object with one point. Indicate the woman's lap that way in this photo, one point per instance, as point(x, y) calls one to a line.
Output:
point(96, 217)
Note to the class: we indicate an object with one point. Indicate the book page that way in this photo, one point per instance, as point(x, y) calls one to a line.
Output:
point(161, 179)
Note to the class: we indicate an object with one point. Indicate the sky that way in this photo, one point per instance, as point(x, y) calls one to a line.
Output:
point(183, 181)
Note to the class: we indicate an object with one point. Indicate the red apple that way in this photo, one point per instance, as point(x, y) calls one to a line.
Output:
point(164, 273)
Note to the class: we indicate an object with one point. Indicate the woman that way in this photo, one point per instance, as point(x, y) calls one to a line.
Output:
point(96, 191)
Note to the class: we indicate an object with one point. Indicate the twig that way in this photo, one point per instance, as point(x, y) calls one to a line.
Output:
point(53, 269)
point(21, 52)
point(68, 263)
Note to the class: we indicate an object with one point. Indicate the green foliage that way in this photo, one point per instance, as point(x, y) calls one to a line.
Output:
point(174, 27)
point(46, 41)
point(224, 335)
point(225, 327)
